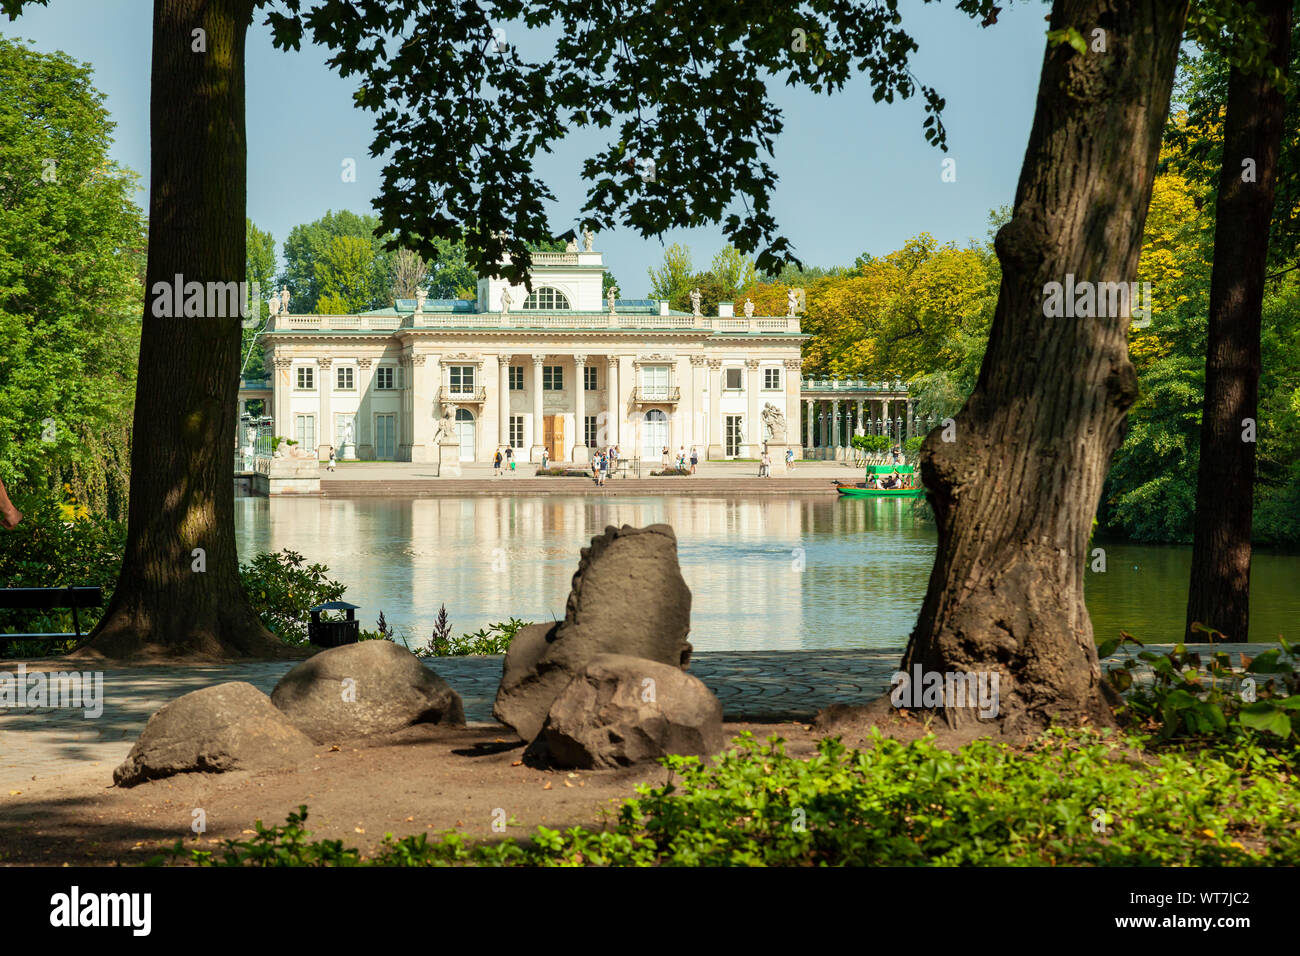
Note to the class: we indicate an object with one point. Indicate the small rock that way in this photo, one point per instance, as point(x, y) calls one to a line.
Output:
point(231, 726)
point(363, 689)
point(620, 711)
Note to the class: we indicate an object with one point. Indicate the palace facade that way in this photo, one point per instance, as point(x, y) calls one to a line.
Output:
point(559, 369)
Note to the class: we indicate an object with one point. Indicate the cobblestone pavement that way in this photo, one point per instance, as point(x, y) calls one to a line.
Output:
point(752, 685)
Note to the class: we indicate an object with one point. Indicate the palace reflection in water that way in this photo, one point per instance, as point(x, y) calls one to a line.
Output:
point(768, 573)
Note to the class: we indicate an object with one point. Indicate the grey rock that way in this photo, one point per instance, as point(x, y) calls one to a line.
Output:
point(628, 597)
point(620, 711)
point(364, 689)
point(230, 726)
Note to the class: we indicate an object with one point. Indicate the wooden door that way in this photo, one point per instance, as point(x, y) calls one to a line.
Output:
point(553, 436)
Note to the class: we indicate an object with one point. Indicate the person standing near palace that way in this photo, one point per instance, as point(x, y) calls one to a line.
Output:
point(330, 466)
point(611, 458)
point(789, 459)
point(663, 459)
point(546, 458)
point(765, 465)
point(510, 457)
point(496, 465)
point(695, 459)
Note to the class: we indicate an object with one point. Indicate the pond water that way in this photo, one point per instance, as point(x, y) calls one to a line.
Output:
point(767, 573)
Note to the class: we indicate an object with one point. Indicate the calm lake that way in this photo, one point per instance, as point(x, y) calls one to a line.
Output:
point(766, 574)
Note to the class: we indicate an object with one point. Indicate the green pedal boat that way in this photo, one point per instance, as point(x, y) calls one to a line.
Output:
point(879, 473)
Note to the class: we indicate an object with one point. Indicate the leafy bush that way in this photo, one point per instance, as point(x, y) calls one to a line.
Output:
point(1069, 798)
point(493, 639)
point(1181, 701)
point(58, 544)
point(562, 473)
point(872, 444)
point(282, 588)
point(670, 472)
point(912, 447)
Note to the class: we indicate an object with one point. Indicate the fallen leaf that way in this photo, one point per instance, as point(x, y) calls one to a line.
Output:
point(410, 819)
point(517, 763)
point(358, 829)
point(547, 785)
point(567, 784)
point(14, 793)
point(334, 749)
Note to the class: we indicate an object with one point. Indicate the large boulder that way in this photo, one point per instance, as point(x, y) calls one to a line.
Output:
point(628, 597)
point(230, 726)
point(364, 689)
point(620, 711)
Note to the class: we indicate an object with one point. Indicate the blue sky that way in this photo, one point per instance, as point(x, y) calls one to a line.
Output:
point(855, 176)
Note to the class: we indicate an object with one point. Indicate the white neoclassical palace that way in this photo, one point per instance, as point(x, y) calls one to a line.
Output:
point(559, 368)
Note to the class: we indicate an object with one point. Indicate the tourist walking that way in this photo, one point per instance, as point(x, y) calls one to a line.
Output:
point(765, 465)
point(789, 459)
point(546, 458)
point(695, 459)
point(330, 466)
point(510, 457)
point(611, 459)
point(663, 459)
point(496, 464)
point(681, 457)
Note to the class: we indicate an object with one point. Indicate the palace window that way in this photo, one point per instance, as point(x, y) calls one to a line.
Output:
point(462, 379)
point(590, 430)
point(654, 381)
point(306, 377)
point(552, 378)
point(771, 378)
point(345, 382)
point(516, 431)
point(384, 377)
point(516, 378)
point(547, 299)
point(732, 381)
point(589, 380)
point(305, 430)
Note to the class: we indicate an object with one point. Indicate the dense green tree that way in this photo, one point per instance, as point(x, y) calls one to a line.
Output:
point(673, 280)
point(359, 272)
point(71, 259)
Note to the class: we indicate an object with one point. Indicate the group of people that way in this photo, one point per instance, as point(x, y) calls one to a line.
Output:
point(765, 463)
point(505, 459)
point(892, 481)
point(682, 461)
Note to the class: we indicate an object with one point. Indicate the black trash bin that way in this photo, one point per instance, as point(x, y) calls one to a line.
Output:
point(334, 633)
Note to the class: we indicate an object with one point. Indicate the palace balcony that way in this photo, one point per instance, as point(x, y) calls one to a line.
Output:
point(656, 395)
point(461, 396)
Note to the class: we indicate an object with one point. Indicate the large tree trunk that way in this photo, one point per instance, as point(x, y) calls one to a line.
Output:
point(182, 490)
point(1015, 491)
point(1218, 593)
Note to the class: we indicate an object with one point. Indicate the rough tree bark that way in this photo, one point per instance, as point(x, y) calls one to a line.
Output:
point(1015, 493)
point(182, 493)
point(1219, 588)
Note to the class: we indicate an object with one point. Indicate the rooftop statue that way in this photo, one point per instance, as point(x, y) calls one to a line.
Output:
point(609, 297)
point(695, 302)
point(791, 303)
point(749, 309)
point(588, 238)
point(506, 301)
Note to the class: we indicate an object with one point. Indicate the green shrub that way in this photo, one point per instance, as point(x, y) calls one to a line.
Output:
point(872, 444)
point(1069, 798)
point(670, 472)
point(562, 473)
point(282, 588)
point(493, 639)
point(912, 447)
point(57, 544)
point(1211, 704)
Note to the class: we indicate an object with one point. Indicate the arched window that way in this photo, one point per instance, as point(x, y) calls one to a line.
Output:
point(547, 299)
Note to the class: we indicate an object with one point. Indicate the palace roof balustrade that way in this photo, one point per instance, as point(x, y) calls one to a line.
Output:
point(637, 318)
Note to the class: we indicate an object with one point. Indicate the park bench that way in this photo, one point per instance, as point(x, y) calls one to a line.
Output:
point(46, 599)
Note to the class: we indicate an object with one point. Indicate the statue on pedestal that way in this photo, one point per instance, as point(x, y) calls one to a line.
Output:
point(506, 301)
point(695, 303)
point(609, 297)
point(791, 303)
point(773, 423)
point(588, 239)
point(446, 430)
point(284, 299)
point(749, 308)
point(420, 296)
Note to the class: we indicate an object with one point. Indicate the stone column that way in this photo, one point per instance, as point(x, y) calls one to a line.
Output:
point(611, 401)
point(535, 453)
point(859, 421)
point(365, 441)
point(419, 407)
point(909, 418)
point(325, 424)
point(699, 413)
point(503, 400)
point(808, 409)
point(753, 423)
point(716, 450)
point(835, 429)
point(281, 384)
point(579, 453)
